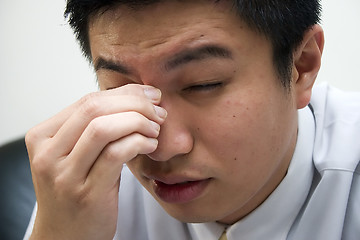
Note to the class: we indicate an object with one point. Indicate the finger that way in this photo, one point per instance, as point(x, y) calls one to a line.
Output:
point(50, 127)
point(36, 136)
point(104, 130)
point(146, 91)
point(72, 129)
point(106, 171)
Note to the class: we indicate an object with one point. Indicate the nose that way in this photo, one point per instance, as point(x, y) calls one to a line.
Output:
point(175, 136)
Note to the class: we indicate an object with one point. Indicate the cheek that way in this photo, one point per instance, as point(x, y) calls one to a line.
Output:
point(245, 132)
point(228, 125)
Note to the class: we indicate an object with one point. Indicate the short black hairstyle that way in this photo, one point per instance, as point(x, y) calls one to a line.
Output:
point(283, 22)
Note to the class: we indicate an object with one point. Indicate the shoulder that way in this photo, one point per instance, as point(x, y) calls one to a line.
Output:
point(337, 116)
point(334, 104)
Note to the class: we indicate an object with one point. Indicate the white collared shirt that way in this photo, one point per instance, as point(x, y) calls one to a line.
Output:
point(319, 198)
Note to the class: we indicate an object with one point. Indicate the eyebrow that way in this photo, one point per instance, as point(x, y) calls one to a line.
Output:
point(101, 63)
point(180, 59)
point(198, 54)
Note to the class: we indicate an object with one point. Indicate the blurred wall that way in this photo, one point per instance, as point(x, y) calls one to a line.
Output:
point(42, 69)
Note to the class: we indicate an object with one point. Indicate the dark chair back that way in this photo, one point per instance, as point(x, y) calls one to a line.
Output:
point(17, 197)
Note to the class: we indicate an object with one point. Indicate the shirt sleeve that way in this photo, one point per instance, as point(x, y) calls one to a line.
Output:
point(31, 223)
point(352, 219)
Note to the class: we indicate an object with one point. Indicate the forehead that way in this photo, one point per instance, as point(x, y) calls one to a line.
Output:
point(157, 24)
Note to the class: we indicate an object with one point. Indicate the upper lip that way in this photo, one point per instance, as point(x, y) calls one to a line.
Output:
point(173, 179)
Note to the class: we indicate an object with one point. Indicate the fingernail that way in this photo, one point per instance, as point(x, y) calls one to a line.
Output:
point(155, 125)
point(152, 93)
point(161, 112)
point(154, 141)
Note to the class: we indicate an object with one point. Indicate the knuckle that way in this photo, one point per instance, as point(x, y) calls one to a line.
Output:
point(90, 105)
point(143, 106)
point(138, 104)
point(141, 145)
point(139, 141)
point(125, 149)
point(133, 89)
point(112, 152)
point(40, 165)
point(97, 128)
point(139, 123)
point(36, 140)
point(60, 184)
point(32, 136)
point(139, 101)
point(137, 119)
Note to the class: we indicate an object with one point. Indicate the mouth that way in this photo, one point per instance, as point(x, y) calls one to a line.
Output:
point(180, 192)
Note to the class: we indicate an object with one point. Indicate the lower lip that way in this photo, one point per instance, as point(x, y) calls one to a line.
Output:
point(179, 193)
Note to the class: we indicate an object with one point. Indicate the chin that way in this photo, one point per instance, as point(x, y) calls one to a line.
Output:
point(191, 214)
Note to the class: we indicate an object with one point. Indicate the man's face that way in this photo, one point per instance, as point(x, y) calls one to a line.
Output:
point(231, 127)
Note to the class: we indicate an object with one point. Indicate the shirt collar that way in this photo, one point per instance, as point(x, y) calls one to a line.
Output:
point(274, 217)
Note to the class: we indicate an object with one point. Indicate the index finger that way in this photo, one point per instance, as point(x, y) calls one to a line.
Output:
point(50, 127)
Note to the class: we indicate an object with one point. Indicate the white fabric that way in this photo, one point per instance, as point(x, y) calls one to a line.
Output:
point(318, 199)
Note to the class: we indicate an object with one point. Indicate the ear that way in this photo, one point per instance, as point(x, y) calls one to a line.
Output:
point(306, 65)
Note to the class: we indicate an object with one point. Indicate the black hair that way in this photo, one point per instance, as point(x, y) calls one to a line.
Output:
point(283, 22)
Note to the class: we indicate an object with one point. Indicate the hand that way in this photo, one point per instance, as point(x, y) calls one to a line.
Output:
point(76, 159)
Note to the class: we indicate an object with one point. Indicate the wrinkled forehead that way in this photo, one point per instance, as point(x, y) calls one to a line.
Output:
point(158, 19)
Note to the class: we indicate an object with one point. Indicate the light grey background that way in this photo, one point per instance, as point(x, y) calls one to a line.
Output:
point(42, 69)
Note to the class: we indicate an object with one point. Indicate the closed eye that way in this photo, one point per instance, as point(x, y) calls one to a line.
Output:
point(204, 87)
